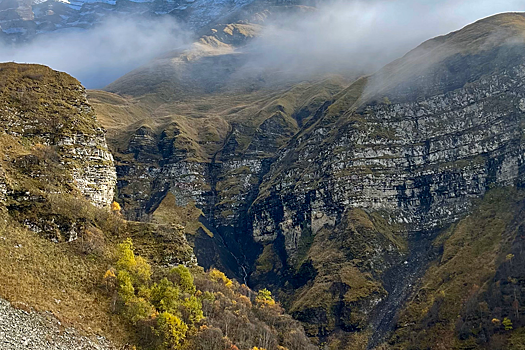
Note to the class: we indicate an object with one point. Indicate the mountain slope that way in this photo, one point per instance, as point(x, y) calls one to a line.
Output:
point(356, 205)
point(70, 261)
point(414, 144)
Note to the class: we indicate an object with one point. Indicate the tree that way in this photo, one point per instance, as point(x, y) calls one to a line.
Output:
point(182, 276)
point(138, 269)
point(126, 257)
point(115, 207)
point(264, 297)
point(109, 279)
point(219, 276)
point(171, 329)
point(507, 323)
point(192, 310)
point(126, 291)
point(165, 296)
point(138, 309)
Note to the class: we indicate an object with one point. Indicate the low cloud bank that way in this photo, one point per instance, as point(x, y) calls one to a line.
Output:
point(339, 36)
point(364, 35)
point(100, 55)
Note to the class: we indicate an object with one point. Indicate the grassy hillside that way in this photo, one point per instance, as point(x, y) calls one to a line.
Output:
point(60, 253)
point(468, 293)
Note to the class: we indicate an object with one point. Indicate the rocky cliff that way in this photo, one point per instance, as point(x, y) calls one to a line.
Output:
point(338, 199)
point(413, 145)
point(49, 111)
point(52, 144)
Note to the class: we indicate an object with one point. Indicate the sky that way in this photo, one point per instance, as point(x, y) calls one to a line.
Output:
point(339, 36)
point(102, 54)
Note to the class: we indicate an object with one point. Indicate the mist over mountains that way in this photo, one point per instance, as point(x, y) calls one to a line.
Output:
point(335, 37)
point(262, 175)
point(99, 55)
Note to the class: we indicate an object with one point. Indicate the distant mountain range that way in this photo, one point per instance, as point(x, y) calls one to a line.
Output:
point(22, 20)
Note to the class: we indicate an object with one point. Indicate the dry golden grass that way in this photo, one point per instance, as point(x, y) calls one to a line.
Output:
point(188, 216)
point(37, 273)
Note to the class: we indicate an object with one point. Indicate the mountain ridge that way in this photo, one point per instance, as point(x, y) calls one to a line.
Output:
point(385, 165)
point(383, 212)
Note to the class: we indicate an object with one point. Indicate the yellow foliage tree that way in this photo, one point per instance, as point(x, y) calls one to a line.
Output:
point(138, 269)
point(115, 207)
point(126, 291)
point(184, 279)
point(171, 329)
point(507, 323)
point(165, 296)
point(264, 297)
point(109, 279)
point(219, 276)
point(138, 309)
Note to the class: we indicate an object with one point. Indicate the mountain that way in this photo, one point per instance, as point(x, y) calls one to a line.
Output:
point(23, 20)
point(377, 211)
point(382, 211)
point(73, 272)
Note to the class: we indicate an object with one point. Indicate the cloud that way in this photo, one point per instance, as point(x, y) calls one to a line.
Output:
point(340, 36)
point(100, 55)
point(362, 36)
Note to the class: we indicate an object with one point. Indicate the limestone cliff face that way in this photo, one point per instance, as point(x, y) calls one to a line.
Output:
point(415, 152)
point(51, 135)
point(333, 200)
point(422, 162)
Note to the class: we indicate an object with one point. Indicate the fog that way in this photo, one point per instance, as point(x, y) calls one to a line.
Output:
point(100, 55)
point(364, 35)
point(357, 36)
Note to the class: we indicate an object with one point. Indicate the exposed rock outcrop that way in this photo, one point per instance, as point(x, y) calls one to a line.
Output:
point(49, 111)
point(416, 150)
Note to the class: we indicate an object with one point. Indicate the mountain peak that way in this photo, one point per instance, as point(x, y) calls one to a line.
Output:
point(460, 57)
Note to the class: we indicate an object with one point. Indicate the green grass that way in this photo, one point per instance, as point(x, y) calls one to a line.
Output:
point(472, 251)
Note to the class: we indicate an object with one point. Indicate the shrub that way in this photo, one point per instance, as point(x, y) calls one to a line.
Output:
point(219, 276)
point(182, 276)
point(171, 329)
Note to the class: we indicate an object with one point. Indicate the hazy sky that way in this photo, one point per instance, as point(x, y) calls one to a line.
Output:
point(340, 35)
point(100, 55)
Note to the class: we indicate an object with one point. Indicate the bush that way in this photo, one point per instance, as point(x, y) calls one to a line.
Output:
point(171, 329)
point(164, 309)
